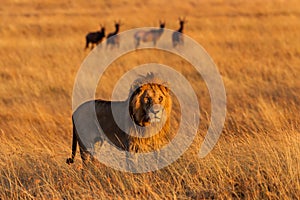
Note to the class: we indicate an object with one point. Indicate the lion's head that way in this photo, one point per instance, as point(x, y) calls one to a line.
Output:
point(150, 101)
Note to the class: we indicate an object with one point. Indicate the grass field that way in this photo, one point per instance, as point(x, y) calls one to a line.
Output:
point(256, 46)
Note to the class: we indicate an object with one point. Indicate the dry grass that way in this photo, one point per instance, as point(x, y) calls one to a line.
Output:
point(256, 46)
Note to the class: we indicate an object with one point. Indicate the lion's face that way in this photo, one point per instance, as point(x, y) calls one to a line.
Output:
point(149, 104)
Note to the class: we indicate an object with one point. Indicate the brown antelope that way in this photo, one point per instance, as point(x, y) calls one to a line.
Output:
point(177, 37)
point(95, 37)
point(112, 38)
point(148, 36)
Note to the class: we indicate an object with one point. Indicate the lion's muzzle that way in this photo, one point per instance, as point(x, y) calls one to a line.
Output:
point(155, 113)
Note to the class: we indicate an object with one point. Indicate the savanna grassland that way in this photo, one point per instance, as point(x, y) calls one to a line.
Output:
point(256, 46)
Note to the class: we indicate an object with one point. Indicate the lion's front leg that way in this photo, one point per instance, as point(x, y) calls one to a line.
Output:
point(85, 156)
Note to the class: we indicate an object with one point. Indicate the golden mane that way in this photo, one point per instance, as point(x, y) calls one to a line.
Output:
point(148, 78)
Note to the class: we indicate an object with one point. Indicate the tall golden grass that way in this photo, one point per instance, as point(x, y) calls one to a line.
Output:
point(256, 46)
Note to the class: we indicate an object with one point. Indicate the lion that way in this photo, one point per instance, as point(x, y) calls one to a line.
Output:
point(141, 123)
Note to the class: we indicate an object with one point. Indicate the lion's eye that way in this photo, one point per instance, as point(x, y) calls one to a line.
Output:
point(160, 99)
point(146, 99)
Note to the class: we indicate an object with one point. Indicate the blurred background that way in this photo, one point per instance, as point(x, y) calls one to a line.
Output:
point(256, 47)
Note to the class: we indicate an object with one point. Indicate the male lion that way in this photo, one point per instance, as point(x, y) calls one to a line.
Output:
point(139, 124)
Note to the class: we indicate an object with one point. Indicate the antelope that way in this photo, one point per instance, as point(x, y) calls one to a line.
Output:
point(112, 38)
point(177, 37)
point(148, 36)
point(95, 37)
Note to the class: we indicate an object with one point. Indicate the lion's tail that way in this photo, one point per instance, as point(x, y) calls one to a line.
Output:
point(74, 145)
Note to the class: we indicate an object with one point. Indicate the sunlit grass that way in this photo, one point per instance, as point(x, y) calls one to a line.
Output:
point(256, 47)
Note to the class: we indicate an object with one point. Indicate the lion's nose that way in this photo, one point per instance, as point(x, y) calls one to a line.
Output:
point(155, 108)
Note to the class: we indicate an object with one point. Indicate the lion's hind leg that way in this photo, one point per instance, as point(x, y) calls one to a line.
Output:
point(74, 146)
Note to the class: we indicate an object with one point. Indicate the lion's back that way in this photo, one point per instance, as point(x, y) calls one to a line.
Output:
point(94, 121)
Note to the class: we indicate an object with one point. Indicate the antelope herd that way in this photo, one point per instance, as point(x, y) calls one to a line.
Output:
point(141, 36)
